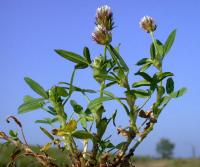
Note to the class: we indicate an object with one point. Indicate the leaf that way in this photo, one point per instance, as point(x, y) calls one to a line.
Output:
point(110, 94)
point(120, 145)
point(141, 93)
point(115, 55)
point(86, 54)
point(145, 67)
point(178, 93)
point(36, 87)
point(164, 100)
point(110, 84)
point(30, 105)
point(70, 126)
point(13, 134)
point(71, 56)
point(160, 49)
point(106, 77)
point(61, 91)
point(83, 122)
point(143, 61)
point(113, 117)
point(47, 121)
point(47, 133)
point(99, 100)
point(101, 127)
point(169, 42)
point(46, 147)
point(81, 134)
point(146, 76)
point(106, 144)
point(169, 85)
point(163, 75)
point(75, 88)
point(81, 66)
point(77, 108)
point(141, 83)
point(152, 51)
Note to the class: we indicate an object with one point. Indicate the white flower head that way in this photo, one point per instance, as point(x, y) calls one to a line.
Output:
point(148, 24)
point(101, 35)
point(104, 17)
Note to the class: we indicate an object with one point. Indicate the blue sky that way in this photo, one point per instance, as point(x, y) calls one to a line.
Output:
point(31, 30)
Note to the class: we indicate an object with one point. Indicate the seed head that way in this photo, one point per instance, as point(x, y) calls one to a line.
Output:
point(101, 35)
point(104, 17)
point(148, 24)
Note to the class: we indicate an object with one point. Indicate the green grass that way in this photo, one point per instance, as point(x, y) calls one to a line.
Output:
point(61, 159)
point(6, 151)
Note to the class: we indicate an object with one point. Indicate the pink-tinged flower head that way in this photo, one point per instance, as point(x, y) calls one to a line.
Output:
point(104, 17)
point(148, 24)
point(101, 35)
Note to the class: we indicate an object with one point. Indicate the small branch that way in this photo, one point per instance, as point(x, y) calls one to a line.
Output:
point(19, 124)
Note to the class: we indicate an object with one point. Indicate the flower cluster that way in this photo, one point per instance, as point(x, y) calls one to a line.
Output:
point(148, 24)
point(104, 24)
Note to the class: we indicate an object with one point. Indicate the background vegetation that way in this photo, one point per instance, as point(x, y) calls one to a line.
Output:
point(6, 150)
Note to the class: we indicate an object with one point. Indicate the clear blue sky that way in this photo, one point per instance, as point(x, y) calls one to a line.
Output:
point(31, 30)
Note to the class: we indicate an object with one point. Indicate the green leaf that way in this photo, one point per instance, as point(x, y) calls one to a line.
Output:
point(86, 54)
point(81, 134)
point(113, 117)
point(36, 87)
point(101, 127)
point(13, 134)
point(110, 84)
point(152, 51)
point(70, 126)
point(145, 67)
point(83, 121)
point(61, 91)
point(106, 77)
point(47, 133)
point(71, 56)
point(141, 83)
point(143, 61)
point(178, 93)
point(47, 121)
point(141, 93)
point(169, 85)
point(99, 100)
point(115, 55)
point(163, 75)
point(169, 42)
point(164, 100)
point(120, 145)
point(110, 94)
point(30, 105)
point(81, 66)
point(146, 76)
point(77, 108)
point(160, 49)
point(75, 88)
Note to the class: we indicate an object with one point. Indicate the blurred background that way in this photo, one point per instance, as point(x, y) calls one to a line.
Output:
point(31, 30)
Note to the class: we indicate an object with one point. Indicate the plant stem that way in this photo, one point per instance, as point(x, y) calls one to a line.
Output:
point(154, 41)
point(105, 51)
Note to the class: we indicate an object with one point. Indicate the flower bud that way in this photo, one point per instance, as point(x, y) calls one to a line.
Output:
point(97, 62)
point(101, 35)
point(104, 17)
point(99, 68)
point(148, 24)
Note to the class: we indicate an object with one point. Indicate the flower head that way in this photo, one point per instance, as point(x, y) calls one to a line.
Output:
point(104, 17)
point(148, 24)
point(101, 35)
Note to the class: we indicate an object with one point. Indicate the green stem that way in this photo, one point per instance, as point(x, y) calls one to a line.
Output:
point(154, 41)
point(105, 51)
